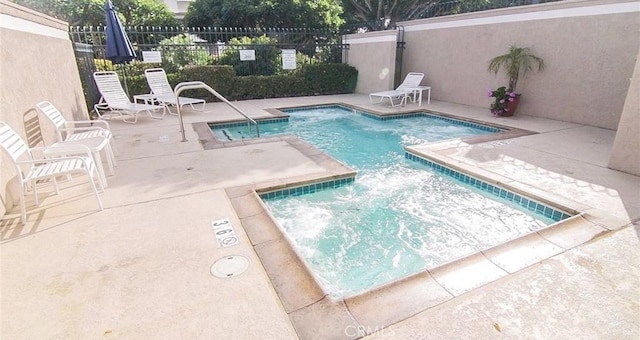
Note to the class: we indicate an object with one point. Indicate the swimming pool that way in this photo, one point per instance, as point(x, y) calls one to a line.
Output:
point(402, 214)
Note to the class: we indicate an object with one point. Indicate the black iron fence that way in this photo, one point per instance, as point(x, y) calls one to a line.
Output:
point(181, 46)
point(249, 51)
point(86, 66)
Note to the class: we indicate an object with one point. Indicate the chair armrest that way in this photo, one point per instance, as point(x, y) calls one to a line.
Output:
point(104, 133)
point(101, 106)
point(69, 149)
point(92, 123)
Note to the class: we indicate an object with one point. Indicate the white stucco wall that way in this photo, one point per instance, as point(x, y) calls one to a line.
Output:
point(37, 63)
point(373, 54)
point(625, 155)
point(589, 48)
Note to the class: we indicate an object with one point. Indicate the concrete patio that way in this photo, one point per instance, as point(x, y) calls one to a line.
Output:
point(141, 267)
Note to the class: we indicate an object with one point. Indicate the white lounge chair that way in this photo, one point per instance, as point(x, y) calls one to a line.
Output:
point(34, 170)
point(116, 101)
point(96, 138)
point(162, 91)
point(402, 92)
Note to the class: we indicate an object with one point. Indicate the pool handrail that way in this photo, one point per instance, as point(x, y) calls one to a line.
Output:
point(191, 85)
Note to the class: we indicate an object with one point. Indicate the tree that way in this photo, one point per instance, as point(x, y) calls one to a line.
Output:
point(266, 53)
point(382, 14)
point(145, 13)
point(180, 51)
point(91, 12)
point(378, 15)
point(265, 13)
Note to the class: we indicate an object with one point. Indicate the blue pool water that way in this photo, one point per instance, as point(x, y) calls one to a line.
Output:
point(399, 216)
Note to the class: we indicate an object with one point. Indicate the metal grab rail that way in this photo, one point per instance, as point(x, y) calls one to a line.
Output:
point(191, 85)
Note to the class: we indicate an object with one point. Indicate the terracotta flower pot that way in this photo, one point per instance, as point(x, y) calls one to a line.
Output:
point(511, 107)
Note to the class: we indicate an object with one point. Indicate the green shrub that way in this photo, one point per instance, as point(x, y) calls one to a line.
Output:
point(136, 84)
point(317, 79)
point(218, 77)
point(180, 51)
point(330, 78)
point(267, 54)
point(276, 86)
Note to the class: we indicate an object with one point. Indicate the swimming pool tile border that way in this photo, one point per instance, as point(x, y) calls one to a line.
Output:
point(315, 107)
point(306, 189)
point(364, 113)
point(400, 116)
point(245, 123)
point(527, 203)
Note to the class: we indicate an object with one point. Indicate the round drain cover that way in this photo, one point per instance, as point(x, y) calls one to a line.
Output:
point(229, 266)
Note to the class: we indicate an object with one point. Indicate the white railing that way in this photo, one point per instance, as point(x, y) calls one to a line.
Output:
point(191, 85)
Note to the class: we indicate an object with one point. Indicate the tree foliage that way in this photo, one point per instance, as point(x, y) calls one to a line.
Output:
point(265, 13)
point(266, 53)
point(382, 14)
point(180, 51)
point(91, 12)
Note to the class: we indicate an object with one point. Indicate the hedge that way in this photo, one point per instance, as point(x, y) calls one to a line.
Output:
point(311, 79)
point(330, 78)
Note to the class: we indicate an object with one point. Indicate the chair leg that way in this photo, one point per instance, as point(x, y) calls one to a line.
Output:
point(111, 161)
point(35, 192)
point(135, 118)
point(98, 164)
point(114, 147)
point(164, 111)
point(93, 186)
point(23, 209)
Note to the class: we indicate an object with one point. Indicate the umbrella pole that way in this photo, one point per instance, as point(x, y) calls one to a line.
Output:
point(124, 78)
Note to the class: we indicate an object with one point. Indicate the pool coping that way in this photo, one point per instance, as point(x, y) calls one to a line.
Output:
point(208, 140)
point(315, 315)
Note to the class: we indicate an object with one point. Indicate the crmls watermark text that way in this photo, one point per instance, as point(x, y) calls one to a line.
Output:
point(359, 330)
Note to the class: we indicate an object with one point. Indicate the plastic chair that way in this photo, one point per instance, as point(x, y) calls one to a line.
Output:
point(116, 101)
point(404, 90)
point(162, 91)
point(32, 170)
point(96, 138)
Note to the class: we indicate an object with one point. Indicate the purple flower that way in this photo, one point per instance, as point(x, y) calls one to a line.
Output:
point(489, 93)
point(511, 99)
point(512, 94)
point(501, 101)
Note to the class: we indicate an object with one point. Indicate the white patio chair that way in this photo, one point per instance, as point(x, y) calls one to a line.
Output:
point(96, 138)
point(402, 92)
point(116, 101)
point(162, 91)
point(33, 170)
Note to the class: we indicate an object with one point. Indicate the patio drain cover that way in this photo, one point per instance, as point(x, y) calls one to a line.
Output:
point(229, 266)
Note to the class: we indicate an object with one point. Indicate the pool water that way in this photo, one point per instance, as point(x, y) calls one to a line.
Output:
point(399, 216)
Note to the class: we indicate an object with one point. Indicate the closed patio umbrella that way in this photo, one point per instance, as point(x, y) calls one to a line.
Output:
point(119, 48)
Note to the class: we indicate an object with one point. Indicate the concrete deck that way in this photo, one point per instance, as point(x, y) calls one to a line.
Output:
point(141, 267)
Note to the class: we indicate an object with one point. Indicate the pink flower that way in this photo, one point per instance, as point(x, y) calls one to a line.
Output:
point(489, 93)
point(511, 99)
point(506, 109)
point(512, 94)
point(501, 101)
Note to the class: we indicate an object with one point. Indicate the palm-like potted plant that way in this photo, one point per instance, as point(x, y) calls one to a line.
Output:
point(517, 62)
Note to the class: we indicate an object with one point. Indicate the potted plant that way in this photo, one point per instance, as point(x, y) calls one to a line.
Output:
point(517, 62)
